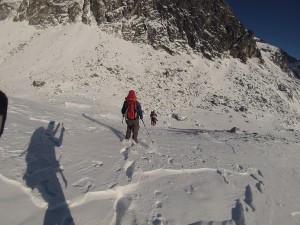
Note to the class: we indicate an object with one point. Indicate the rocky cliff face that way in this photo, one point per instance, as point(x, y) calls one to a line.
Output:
point(287, 63)
point(203, 26)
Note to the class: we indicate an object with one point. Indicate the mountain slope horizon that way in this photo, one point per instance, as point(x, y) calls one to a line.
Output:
point(79, 61)
point(205, 27)
point(194, 56)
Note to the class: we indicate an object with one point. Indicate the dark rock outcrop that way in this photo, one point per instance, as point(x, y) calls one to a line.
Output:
point(287, 63)
point(279, 57)
point(203, 26)
point(48, 13)
point(7, 9)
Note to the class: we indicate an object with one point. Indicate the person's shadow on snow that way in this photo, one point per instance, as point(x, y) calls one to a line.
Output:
point(115, 131)
point(118, 133)
point(41, 173)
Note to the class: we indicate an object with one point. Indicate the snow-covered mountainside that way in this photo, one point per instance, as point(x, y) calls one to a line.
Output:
point(225, 149)
point(83, 63)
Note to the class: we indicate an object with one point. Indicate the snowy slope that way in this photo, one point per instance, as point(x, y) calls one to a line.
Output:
point(82, 63)
point(187, 176)
point(196, 172)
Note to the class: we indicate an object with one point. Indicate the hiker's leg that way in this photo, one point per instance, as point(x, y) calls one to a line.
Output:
point(135, 130)
point(152, 122)
point(129, 129)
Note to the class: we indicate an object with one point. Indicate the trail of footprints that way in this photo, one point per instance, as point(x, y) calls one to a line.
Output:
point(129, 165)
point(136, 157)
point(242, 206)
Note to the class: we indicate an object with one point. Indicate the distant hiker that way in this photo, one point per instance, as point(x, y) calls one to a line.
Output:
point(3, 111)
point(153, 117)
point(132, 111)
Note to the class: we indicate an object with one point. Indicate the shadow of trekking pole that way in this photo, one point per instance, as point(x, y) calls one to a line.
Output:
point(148, 131)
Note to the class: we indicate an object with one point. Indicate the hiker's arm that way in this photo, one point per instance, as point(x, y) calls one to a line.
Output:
point(56, 129)
point(139, 110)
point(3, 111)
point(58, 141)
point(123, 110)
point(61, 136)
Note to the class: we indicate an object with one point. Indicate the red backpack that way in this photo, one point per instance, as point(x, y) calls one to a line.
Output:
point(131, 109)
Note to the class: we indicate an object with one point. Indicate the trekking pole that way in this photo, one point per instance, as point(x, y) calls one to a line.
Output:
point(148, 131)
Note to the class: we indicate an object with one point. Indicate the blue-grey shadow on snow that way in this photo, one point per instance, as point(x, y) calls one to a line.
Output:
point(195, 131)
point(41, 173)
point(115, 131)
point(118, 133)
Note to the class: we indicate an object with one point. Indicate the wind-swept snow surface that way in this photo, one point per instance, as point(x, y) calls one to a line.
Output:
point(225, 151)
point(58, 161)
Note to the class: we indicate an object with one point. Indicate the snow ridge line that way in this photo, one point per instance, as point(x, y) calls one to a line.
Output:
point(166, 172)
point(37, 201)
point(121, 190)
point(296, 215)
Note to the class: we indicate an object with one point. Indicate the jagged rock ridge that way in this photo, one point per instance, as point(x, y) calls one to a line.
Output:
point(204, 26)
point(287, 63)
